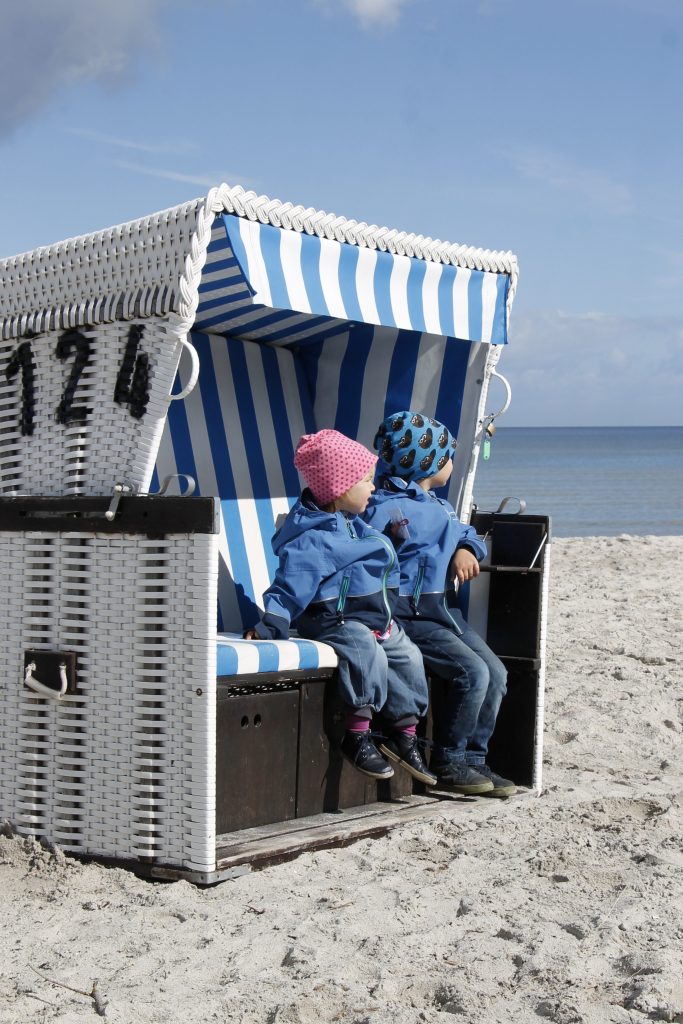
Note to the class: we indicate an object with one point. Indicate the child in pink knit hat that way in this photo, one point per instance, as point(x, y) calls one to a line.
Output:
point(337, 582)
point(331, 463)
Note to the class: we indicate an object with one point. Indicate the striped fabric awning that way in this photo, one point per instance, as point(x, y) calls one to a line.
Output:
point(267, 283)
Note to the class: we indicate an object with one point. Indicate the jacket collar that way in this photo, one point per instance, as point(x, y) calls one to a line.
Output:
point(335, 520)
point(397, 483)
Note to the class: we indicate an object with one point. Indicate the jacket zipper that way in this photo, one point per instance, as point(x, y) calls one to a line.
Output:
point(343, 591)
point(417, 591)
point(346, 579)
point(390, 548)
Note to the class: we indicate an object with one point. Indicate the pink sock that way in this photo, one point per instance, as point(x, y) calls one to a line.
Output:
point(408, 730)
point(357, 723)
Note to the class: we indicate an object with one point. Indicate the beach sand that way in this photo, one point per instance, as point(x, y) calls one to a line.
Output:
point(567, 906)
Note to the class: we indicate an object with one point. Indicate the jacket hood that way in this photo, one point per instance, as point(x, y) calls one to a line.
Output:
point(305, 515)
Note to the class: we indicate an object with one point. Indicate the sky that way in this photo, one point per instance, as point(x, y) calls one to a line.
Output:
point(549, 129)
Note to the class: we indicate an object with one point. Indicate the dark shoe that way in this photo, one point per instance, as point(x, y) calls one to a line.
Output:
point(501, 787)
point(404, 750)
point(458, 777)
point(358, 748)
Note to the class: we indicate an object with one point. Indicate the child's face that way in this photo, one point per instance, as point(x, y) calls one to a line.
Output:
point(356, 499)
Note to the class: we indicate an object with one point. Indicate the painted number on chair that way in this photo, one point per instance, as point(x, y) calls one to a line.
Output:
point(132, 381)
point(21, 364)
point(78, 344)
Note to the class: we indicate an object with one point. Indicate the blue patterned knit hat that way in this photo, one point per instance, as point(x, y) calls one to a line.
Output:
point(413, 446)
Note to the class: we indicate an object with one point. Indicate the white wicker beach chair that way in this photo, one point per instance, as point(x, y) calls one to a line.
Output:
point(125, 610)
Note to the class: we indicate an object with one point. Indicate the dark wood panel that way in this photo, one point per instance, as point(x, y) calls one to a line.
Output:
point(256, 758)
point(511, 750)
point(514, 618)
point(327, 782)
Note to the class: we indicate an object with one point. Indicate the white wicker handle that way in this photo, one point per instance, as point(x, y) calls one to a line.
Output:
point(195, 370)
point(508, 396)
point(40, 688)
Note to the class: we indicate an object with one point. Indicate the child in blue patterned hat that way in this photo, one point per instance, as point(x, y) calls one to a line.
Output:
point(433, 548)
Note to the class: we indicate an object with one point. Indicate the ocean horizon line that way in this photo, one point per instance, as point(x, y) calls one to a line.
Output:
point(589, 426)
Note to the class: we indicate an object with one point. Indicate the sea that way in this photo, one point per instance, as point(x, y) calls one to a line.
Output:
point(592, 481)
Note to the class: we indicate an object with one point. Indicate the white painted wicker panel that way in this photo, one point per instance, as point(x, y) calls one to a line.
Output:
point(133, 269)
point(111, 445)
point(126, 767)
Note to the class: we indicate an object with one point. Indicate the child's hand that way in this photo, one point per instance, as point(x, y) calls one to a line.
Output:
point(250, 634)
point(464, 566)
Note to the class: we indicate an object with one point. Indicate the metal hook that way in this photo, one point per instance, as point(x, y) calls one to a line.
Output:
point(190, 480)
point(520, 510)
point(487, 423)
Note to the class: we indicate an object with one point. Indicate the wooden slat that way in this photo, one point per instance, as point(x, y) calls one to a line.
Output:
point(271, 843)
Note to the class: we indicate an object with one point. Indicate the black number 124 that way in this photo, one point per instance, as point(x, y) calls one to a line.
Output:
point(132, 382)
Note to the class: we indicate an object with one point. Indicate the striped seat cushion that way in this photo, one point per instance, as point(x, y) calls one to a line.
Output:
point(238, 657)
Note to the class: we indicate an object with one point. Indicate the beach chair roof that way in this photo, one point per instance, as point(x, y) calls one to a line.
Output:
point(241, 264)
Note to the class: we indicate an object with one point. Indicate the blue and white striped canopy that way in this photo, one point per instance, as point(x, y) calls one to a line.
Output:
point(267, 283)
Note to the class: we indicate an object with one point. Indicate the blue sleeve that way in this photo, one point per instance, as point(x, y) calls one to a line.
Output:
point(470, 539)
point(294, 587)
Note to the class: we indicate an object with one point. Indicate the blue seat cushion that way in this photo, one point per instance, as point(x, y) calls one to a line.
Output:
point(236, 656)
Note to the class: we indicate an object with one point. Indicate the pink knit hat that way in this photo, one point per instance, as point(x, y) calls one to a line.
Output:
point(330, 463)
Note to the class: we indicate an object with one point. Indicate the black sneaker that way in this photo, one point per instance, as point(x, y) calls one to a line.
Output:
point(358, 748)
point(404, 750)
point(501, 787)
point(458, 777)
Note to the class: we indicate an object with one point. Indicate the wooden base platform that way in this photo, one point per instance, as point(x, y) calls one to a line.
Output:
point(238, 853)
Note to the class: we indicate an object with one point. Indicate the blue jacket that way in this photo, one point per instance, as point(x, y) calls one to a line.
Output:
point(332, 567)
point(426, 533)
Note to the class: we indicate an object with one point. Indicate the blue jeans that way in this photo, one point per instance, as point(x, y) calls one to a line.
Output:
point(474, 679)
point(387, 676)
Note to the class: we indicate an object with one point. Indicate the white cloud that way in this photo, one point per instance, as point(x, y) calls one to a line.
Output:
point(168, 174)
point(176, 147)
point(371, 13)
point(563, 173)
point(593, 369)
point(204, 180)
point(50, 45)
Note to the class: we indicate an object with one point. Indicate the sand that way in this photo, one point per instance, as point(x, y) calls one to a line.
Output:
point(567, 906)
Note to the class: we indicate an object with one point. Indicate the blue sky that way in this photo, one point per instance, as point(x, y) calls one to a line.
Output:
point(550, 129)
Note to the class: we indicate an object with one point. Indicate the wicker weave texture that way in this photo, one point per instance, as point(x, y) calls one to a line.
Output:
point(100, 440)
point(129, 270)
point(125, 767)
